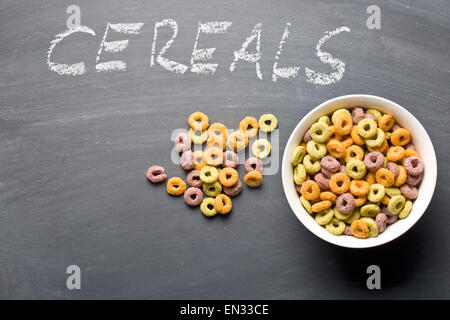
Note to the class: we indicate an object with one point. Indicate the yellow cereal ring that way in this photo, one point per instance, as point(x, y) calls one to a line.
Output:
point(370, 210)
point(198, 137)
point(324, 217)
point(299, 174)
point(341, 216)
point(367, 128)
point(223, 204)
point(338, 112)
point(402, 175)
point(343, 124)
point(325, 119)
point(212, 189)
point(395, 153)
point(253, 179)
point(339, 183)
point(381, 148)
point(249, 126)
point(310, 190)
point(209, 174)
point(320, 132)
point(228, 177)
point(297, 155)
point(386, 122)
point(311, 166)
point(392, 191)
point(321, 205)
point(385, 177)
point(213, 156)
point(356, 137)
point(400, 137)
point(267, 122)
point(327, 195)
point(377, 140)
point(396, 204)
point(359, 188)
point(198, 121)
point(353, 216)
point(406, 210)
point(377, 114)
point(237, 141)
point(376, 193)
point(356, 169)
point(359, 229)
point(306, 204)
point(261, 148)
point(176, 186)
point(354, 152)
point(335, 227)
point(316, 150)
point(207, 207)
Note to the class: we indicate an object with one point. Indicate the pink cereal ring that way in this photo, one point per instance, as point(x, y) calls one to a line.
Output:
point(345, 203)
point(409, 192)
point(156, 174)
point(357, 114)
point(330, 164)
point(414, 180)
point(193, 196)
point(411, 146)
point(326, 172)
point(187, 160)
point(230, 159)
point(193, 179)
point(182, 142)
point(253, 164)
point(390, 218)
point(322, 181)
point(343, 169)
point(347, 231)
point(381, 221)
point(233, 190)
point(413, 165)
point(374, 160)
point(307, 136)
point(370, 116)
point(393, 167)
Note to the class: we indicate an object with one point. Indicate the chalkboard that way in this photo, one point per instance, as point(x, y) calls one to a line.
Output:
point(75, 147)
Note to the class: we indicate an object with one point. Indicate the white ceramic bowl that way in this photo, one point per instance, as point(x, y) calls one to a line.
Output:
point(421, 141)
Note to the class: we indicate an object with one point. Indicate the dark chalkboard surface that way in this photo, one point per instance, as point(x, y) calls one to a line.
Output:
point(74, 150)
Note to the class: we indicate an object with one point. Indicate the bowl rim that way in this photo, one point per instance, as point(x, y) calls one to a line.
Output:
point(305, 218)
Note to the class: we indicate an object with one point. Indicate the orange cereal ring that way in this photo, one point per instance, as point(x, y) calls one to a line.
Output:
point(343, 123)
point(385, 177)
point(199, 161)
point(198, 121)
point(332, 130)
point(359, 188)
point(176, 186)
point(370, 178)
point(253, 179)
point(217, 129)
point(359, 229)
point(386, 122)
point(228, 177)
point(237, 141)
point(217, 141)
point(359, 201)
point(411, 153)
point(336, 149)
point(213, 156)
point(347, 142)
point(249, 126)
point(322, 205)
point(327, 195)
point(395, 153)
point(339, 183)
point(402, 175)
point(356, 137)
point(223, 204)
point(385, 200)
point(310, 190)
point(400, 137)
point(381, 148)
point(354, 152)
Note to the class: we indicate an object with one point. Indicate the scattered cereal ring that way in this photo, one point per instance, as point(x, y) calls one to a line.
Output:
point(316, 150)
point(324, 217)
point(322, 181)
point(311, 166)
point(359, 229)
point(182, 142)
point(402, 176)
point(373, 228)
point(193, 179)
point(299, 174)
point(249, 126)
point(396, 204)
point(320, 132)
point(217, 142)
point(297, 155)
point(267, 122)
point(193, 196)
point(212, 189)
point(176, 186)
point(357, 115)
point(369, 210)
point(367, 128)
point(339, 183)
point(345, 203)
point(356, 169)
point(384, 177)
point(233, 190)
point(237, 141)
point(207, 207)
point(222, 204)
point(376, 193)
point(230, 159)
point(261, 148)
point(199, 161)
point(209, 174)
point(409, 192)
point(326, 195)
point(213, 156)
point(198, 137)
point(414, 166)
point(321, 205)
point(359, 188)
point(395, 153)
point(228, 177)
point(217, 133)
point(310, 190)
point(335, 227)
point(356, 137)
point(343, 124)
point(156, 174)
point(253, 179)
point(198, 121)
point(252, 164)
point(354, 152)
point(406, 210)
point(377, 140)
point(400, 137)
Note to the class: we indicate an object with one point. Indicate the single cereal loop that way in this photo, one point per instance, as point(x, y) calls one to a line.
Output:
point(395, 153)
point(374, 160)
point(320, 132)
point(336, 148)
point(392, 191)
point(193, 196)
point(376, 193)
point(218, 129)
point(330, 164)
point(212, 189)
point(321, 205)
point(176, 186)
point(360, 201)
point(356, 169)
point(354, 152)
point(213, 156)
point(261, 148)
point(322, 180)
point(385, 177)
point(381, 220)
point(187, 160)
point(356, 137)
point(316, 150)
point(386, 122)
point(311, 166)
point(198, 121)
point(410, 192)
point(359, 229)
point(377, 140)
point(249, 126)
point(237, 141)
point(299, 174)
point(354, 216)
point(414, 166)
point(156, 174)
point(253, 179)
point(306, 204)
point(400, 137)
point(359, 188)
point(339, 183)
point(327, 195)
point(297, 155)
point(343, 124)
point(233, 190)
point(252, 164)
point(335, 227)
point(223, 204)
point(367, 128)
point(369, 210)
point(396, 204)
point(406, 210)
point(209, 174)
point(402, 176)
point(310, 190)
point(357, 114)
point(324, 217)
point(230, 159)
point(193, 179)
point(182, 142)
point(345, 203)
point(267, 122)
point(228, 177)
point(207, 207)
point(198, 139)
point(338, 112)
point(199, 161)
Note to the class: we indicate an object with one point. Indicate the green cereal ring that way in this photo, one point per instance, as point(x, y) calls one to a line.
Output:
point(373, 228)
point(320, 132)
point(391, 191)
point(325, 119)
point(377, 140)
point(267, 122)
point(335, 227)
point(338, 111)
point(376, 193)
point(367, 128)
point(311, 166)
point(356, 169)
point(306, 204)
point(209, 174)
point(297, 155)
point(324, 217)
point(340, 216)
point(207, 207)
point(370, 210)
point(212, 189)
point(406, 210)
point(261, 148)
point(396, 204)
point(354, 216)
point(198, 138)
point(377, 114)
point(316, 150)
point(299, 174)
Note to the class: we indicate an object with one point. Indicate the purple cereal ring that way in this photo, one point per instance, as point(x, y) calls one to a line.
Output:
point(345, 203)
point(374, 160)
point(307, 136)
point(413, 165)
point(381, 221)
point(230, 159)
point(347, 231)
point(326, 172)
point(182, 142)
point(330, 164)
point(343, 169)
point(395, 127)
point(193, 196)
point(393, 167)
point(187, 160)
point(234, 190)
point(390, 218)
point(253, 164)
point(357, 114)
point(156, 174)
point(411, 146)
point(322, 181)
point(193, 179)
point(409, 192)
point(370, 116)
point(414, 180)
